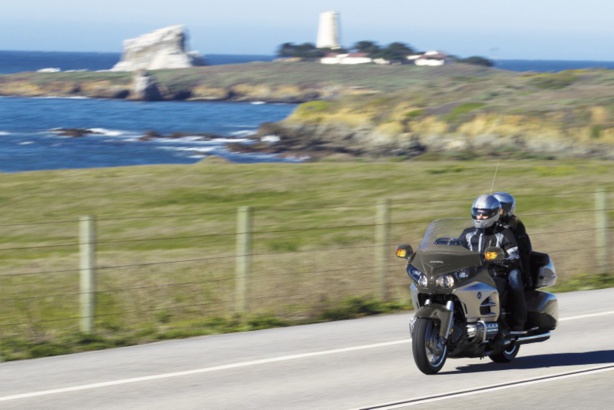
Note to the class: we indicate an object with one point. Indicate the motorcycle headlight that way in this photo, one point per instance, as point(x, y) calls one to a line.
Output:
point(419, 277)
point(423, 281)
point(445, 281)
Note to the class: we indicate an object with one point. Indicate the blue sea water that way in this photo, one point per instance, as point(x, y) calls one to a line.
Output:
point(12, 62)
point(550, 65)
point(28, 141)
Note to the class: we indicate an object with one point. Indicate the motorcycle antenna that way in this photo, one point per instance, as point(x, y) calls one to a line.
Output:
point(494, 177)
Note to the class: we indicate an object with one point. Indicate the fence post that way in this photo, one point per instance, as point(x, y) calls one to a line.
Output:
point(382, 239)
point(87, 250)
point(243, 256)
point(602, 231)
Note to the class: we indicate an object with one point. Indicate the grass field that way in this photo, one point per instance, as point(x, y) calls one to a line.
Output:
point(166, 241)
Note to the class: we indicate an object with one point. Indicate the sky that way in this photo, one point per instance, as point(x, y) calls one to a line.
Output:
point(495, 29)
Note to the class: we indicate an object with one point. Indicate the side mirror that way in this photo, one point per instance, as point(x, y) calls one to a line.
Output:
point(493, 253)
point(404, 251)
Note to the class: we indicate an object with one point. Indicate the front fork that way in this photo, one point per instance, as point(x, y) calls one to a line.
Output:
point(444, 314)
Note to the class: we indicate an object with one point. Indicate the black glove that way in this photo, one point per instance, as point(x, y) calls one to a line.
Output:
point(508, 264)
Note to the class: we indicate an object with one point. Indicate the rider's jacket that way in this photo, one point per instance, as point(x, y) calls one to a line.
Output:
point(524, 244)
point(478, 240)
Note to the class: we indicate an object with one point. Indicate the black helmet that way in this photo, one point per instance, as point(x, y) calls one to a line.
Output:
point(508, 204)
point(485, 211)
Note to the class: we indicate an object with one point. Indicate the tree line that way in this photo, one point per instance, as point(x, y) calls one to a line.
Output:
point(395, 52)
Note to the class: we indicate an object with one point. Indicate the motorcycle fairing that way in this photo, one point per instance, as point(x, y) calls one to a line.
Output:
point(480, 301)
point(436, 312)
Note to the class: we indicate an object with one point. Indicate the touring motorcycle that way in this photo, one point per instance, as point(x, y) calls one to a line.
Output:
point(461, 300)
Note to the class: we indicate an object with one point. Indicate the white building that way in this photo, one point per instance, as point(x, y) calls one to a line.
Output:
point(328, 30)
point(431, 58)
point(352, 58)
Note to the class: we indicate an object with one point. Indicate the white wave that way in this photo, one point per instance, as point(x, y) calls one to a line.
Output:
point(4, 133)
point(49, 70)
point(107, 132)
point(242, 133)
point(258, 102)
point(189, 149)
point(270, 138)
point(227, 140)
point(191, 140)
point(188, 138)
point(62, 97)
point(26, 142)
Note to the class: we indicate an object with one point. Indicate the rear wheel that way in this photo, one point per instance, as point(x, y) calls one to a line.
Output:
point(429, 349)
point(506, 355)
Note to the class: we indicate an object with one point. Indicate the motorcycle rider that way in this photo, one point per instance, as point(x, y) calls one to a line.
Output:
point(485, 213)
point(509, 220)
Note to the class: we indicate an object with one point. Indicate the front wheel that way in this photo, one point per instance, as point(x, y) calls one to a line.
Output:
point(506, 355)
point(429, 349)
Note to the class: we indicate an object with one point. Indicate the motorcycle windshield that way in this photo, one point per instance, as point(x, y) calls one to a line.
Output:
point(441, 250)
point(444, 232)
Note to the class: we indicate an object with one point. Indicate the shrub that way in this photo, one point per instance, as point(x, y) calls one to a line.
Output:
point(553, 81)
point(312, 109)
point(463, 109)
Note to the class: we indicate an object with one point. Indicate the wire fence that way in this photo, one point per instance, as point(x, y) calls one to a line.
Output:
point(183, 271)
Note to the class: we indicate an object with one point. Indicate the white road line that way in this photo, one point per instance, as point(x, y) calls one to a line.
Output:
point(197, 371)
point(586, 316)
point(488, 389)
point(226, 367)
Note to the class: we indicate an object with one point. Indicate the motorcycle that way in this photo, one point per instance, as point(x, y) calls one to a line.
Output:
point(461, 301)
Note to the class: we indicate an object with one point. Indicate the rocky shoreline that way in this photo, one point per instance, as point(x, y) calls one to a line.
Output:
point(456, 112)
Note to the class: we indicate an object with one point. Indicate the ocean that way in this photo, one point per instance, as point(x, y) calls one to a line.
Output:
point(29, 140)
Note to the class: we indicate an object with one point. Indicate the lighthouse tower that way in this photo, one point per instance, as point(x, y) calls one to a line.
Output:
point(328, 30)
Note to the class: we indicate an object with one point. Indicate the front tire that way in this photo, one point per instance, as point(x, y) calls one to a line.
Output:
point(429, 349)
point(506, 355)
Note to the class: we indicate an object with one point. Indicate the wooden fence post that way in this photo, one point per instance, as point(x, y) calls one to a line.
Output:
point(87, 250)
point(382, 240)
point(243, 257)
point(602, 228)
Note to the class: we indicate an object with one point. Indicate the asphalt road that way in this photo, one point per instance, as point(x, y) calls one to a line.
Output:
point(354, 364)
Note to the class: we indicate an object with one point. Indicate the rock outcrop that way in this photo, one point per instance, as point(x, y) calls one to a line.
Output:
point(144, 87)
point(160, 49)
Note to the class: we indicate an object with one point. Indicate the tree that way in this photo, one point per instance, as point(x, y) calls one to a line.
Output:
point(286, 50)
point(305, 50)
point(369, 47)
point(395, 52)
point(476, 60)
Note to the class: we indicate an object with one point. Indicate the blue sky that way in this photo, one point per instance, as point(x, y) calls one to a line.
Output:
point(497, 29)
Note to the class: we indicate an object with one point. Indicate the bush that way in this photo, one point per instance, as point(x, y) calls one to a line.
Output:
point(463, 109)
point(476, 60)
point(553, 81)
point(312, 109)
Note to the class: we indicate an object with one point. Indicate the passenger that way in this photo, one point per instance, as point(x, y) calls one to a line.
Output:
point(509, 220)
point(485, 212)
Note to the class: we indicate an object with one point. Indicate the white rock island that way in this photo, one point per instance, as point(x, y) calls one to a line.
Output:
point(161, 49)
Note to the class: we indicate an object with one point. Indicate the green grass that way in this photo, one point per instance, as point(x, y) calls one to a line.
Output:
point(166, 242)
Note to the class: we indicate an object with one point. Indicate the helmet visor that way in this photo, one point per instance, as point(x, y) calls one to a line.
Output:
point(483, 213)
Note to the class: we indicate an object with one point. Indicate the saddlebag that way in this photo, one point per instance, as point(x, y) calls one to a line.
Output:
point(542, 310)
point(542, 270)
